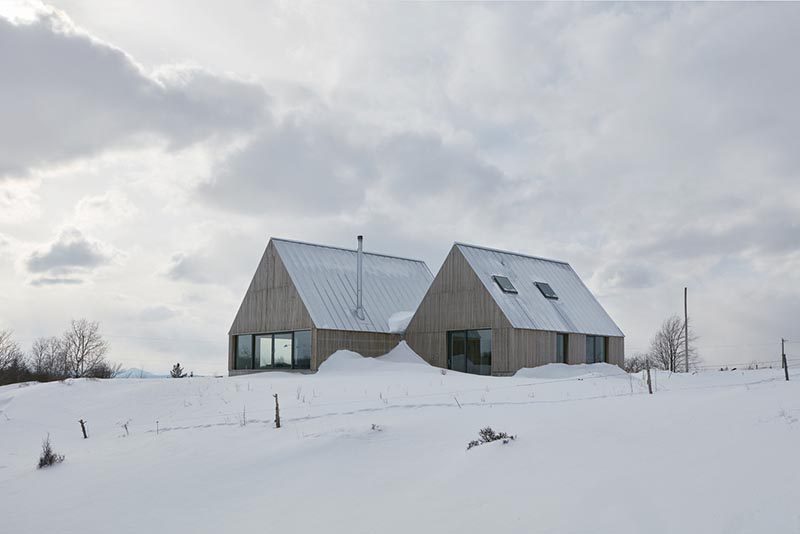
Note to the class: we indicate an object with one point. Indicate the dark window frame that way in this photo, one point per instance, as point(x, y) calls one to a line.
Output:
point(466, 337)
point(597, 342)
point(546, 290)
point(501, 280)
point(253, 337)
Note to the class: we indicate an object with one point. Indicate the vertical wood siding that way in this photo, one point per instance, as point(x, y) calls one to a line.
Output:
point(456, 300)
point(326, 342)
point(271, 303)
point(616, 350)
point(576, 351)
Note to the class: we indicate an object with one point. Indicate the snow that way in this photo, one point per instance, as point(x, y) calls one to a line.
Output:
point(712, 452)
point(398, 322)
point(402, 353)
point(395, 361)
point(562, 370)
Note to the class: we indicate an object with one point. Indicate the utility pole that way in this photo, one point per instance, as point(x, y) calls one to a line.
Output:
point(783, 360)
point(686, 327)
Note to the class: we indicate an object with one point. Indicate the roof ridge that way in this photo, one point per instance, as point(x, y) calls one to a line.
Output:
point(458, 243)
point(297, 242)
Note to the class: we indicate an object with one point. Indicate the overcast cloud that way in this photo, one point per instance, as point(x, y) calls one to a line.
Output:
point(150, 153)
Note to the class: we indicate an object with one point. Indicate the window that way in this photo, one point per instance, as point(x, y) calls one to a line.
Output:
point(302, 349)
point(504, 283)
point(282, 358)
point(561, 348)
point(263, 352)
point(244, 352)
point(285, 350)
point(470, 351)
point(596, 349)
point(546, 290)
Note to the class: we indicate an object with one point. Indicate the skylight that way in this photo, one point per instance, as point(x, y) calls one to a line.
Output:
point(546, 290)
point(505, 284)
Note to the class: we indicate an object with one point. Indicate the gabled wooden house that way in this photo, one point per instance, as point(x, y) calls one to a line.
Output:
point(306, 301)
point(493, 312)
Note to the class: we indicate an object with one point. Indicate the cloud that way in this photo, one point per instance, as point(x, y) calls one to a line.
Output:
point(49, 281)
point(70, 95)
point(224, 257)
point(157, 313)
point(621, 277)
point(188, 267)
point(19, 201)
point(68, 259)
point(109, 208)
point(324, 165)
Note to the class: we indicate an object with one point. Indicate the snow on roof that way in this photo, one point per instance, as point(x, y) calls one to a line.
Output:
point(574, 311)
point(325, 278)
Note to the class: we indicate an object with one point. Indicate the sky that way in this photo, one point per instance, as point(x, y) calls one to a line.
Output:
point(148, 151)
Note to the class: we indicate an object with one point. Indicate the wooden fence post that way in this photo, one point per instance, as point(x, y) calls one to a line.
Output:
point(277, 412)
point(783, 360)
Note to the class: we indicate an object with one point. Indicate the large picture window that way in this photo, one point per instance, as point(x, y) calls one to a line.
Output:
point(470, 351)
point(283, 350)
point(596, 349)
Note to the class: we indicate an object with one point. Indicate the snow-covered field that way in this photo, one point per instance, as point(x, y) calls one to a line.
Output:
point(380, 446)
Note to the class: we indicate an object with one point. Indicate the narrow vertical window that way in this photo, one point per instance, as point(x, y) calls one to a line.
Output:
point(244, 352)
point(561, 348)
point(263, 358)
point(302, 349)
point(282, 352)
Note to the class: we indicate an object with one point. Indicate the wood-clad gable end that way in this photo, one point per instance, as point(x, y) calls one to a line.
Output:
point(272, 303)
point(456, 300)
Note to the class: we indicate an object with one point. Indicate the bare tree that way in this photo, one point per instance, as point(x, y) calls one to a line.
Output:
point(9, 349)
point(636, 363)
point(13, 367)
point(667, 346)
point(47, 358)
point(84, 349)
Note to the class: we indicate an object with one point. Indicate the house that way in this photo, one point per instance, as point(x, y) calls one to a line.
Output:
point(494, 312)
point(306, 301)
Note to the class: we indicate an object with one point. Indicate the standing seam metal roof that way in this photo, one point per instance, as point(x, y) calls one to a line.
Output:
point(325, 278)
point(575, 311)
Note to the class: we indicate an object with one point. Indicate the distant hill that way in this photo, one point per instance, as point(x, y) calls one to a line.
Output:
point(139, 373)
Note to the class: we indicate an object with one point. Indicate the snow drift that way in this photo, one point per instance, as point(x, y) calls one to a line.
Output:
point(562, 370)
point(399, 359)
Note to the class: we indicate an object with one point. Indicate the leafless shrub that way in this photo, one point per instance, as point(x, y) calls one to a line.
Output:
point(48, 456)
point(487, 435)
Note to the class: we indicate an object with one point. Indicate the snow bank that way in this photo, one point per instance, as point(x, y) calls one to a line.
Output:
point(398, 322)
point(401, 358)
point(402, 353)
point(347, 361)
point(562, 370)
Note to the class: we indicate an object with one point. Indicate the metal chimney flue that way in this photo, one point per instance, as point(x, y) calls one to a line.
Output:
point(360, 279)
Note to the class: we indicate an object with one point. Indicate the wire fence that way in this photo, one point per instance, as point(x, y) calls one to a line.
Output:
point(299, 413)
